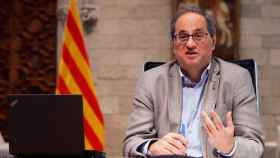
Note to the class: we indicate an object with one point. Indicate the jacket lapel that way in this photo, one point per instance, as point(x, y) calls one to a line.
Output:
point(174, 97)
point(209, 97)
point(211, 91)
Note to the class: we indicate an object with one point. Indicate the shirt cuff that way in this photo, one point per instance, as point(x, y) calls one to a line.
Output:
point(145, 149)
point(230, 154)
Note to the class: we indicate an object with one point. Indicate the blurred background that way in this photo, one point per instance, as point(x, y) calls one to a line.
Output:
point(121, 35)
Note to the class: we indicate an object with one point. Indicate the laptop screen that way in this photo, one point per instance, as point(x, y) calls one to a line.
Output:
point(46, 124)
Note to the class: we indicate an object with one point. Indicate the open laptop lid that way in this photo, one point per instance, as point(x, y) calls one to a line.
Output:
point(46, 124)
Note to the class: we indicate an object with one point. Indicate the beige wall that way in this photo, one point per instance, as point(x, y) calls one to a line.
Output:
point(130, 32)
point(260, 39)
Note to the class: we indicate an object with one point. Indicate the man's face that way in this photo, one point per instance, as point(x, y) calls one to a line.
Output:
point(195, 50)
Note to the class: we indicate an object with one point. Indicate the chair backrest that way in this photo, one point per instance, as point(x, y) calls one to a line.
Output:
point(248, 64)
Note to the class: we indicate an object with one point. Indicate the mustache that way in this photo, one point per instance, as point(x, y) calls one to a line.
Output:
point(191, 52)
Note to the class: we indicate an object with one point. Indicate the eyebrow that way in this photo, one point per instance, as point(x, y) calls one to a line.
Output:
point(196, 30)
point(199, 30)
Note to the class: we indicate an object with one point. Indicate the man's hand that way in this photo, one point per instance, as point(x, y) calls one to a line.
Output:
point(219, 136)
point(170, 144)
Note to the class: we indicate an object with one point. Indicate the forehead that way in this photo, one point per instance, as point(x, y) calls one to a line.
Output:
point(191, 22)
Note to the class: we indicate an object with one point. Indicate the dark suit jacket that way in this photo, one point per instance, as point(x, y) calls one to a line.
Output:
point(157, 107)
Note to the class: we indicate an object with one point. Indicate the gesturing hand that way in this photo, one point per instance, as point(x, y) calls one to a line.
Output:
point(219, 136)
point(170, 144)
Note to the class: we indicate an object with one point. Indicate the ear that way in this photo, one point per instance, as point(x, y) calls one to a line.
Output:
point(172, 45)
point(214, 39)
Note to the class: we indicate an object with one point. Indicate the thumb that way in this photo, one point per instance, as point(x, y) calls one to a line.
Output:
point(229, 120)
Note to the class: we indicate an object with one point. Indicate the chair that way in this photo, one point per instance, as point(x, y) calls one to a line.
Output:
point(248, 64)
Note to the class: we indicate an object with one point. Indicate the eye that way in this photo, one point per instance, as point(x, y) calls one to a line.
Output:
point(183, 36)
point(198, 35)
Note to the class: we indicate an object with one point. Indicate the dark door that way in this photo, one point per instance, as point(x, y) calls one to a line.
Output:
point(27, 50)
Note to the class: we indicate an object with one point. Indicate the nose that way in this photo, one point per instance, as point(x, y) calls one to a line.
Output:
point(190, 44)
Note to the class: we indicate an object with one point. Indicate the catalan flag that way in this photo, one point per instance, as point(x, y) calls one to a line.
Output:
point(75, 77)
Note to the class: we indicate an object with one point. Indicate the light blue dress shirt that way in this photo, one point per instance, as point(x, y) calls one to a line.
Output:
point(191, 114)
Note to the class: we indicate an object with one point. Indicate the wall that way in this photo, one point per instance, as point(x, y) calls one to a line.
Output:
point(260, 38)
point(130, 32)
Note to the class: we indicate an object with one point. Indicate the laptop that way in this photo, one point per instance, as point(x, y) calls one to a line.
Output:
point(45, 124)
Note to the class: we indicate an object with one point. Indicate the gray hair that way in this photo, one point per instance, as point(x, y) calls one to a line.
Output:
point(211, 24)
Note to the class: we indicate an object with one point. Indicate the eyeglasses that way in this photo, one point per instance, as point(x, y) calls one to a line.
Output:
point(183, 37)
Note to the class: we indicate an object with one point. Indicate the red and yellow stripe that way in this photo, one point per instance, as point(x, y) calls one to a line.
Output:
point(75, 77)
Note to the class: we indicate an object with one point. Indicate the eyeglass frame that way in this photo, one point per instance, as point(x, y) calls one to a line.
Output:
point(193, 36)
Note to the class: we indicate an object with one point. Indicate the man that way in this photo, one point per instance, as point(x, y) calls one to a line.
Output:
point(196, 106)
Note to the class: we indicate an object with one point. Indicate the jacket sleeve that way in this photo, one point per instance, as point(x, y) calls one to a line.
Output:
point(248, 130)
point(141, 121)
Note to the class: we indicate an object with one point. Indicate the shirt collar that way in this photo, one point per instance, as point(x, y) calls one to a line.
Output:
point(186, 82)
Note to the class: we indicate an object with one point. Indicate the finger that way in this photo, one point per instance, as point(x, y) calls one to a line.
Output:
point(171, 149)
point(207, 130)
point(159, 148)
point(217, 120)
point(209, 124)
point(229, 120)
point(176, 143)
point(180, 138)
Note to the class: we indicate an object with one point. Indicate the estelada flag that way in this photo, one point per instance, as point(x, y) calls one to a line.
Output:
point(75, 77)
